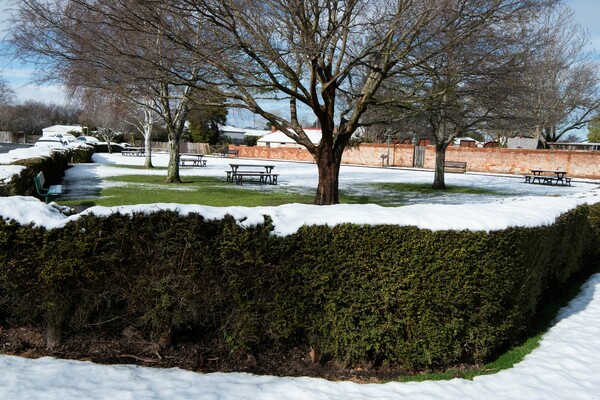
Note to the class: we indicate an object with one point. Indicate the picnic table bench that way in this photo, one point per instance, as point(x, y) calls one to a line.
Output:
point(134, 151)
point(548, 177)
point(239, 171)
point(459, 165)
point(196, 160)
point(53, 190)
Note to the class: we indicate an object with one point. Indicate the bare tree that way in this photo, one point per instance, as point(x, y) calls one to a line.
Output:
point(106, 112)
point(143, 118)
point(560, 93)
point(113, 47)
point(330, 56)
point(477, 50)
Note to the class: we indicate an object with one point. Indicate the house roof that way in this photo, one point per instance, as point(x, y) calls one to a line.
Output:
point(231, 129)
point(54, 129)
point(279, 137)
point(256, 132)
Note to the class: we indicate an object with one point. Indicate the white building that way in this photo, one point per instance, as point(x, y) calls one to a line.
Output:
point(55, 130)
point(279, 139)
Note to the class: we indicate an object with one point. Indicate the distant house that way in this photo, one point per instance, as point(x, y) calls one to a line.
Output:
point(522, 143)
point(586, 146)
point(62, 129)
point(279, 139)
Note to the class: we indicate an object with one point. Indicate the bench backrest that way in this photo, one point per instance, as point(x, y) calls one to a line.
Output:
point(39, 181)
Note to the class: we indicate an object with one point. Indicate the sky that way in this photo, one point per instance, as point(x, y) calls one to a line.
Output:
point(565, 366)
point(20, 76)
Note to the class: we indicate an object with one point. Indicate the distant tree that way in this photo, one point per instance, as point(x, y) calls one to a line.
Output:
point(31, 117)
point(107, 113)
point(205, 120)
point(560, 92)
point(594, 129)
point(7, 96)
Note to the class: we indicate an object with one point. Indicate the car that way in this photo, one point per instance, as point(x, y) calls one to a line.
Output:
point(50, 141)
point(87, 139)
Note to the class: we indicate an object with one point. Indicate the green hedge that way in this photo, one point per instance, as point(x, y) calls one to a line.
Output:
point(400, 295)
point(53, 167)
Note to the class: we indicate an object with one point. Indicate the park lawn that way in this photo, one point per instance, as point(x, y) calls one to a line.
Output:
point(209, 191)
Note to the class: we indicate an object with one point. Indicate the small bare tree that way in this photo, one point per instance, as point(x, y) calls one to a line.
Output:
point(143, 118)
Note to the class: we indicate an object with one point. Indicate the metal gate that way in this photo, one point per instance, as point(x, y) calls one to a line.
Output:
point(419, 157)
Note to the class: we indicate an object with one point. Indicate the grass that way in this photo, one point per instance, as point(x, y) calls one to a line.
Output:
point(144, 189)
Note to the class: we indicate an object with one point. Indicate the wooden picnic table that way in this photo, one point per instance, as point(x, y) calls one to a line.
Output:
point(196, 160)
point(548, 177)
point(239, 171)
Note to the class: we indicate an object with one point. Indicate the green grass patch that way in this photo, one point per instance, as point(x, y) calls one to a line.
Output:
point(145, 189)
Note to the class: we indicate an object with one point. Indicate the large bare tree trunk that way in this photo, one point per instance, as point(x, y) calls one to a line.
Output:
point(329, 159)
point(440, 159)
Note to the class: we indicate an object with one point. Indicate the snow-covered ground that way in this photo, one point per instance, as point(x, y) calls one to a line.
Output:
point(565, 366)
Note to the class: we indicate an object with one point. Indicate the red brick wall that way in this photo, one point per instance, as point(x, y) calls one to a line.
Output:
point(582, 164)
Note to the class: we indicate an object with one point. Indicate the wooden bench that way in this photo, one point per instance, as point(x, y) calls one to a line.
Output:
point(46, 193)
point(195, 160)
point(263, 177)
point(459, 165)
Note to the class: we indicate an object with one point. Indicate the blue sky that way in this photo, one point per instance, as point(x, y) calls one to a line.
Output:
point(19, 76)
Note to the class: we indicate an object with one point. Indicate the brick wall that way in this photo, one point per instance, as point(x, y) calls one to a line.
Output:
point(582, 164)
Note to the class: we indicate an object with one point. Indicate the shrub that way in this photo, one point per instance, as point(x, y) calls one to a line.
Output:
point(401, 295)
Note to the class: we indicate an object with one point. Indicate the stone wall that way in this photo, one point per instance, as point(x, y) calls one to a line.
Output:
point(580, 164)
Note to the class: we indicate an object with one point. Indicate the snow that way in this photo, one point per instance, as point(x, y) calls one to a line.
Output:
point(565, 366)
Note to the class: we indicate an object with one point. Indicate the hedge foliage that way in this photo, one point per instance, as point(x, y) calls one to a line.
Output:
point(400, 295)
